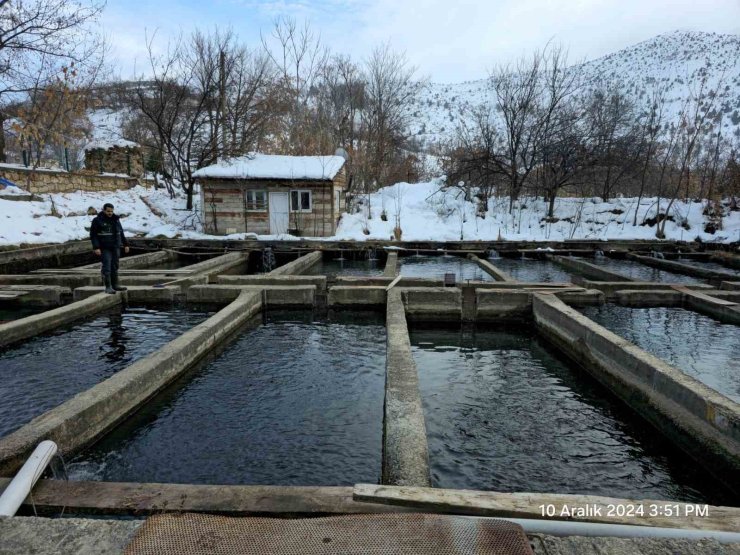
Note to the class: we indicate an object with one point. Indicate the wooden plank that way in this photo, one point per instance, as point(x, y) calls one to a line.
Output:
point(528, 505)
point(146, 498)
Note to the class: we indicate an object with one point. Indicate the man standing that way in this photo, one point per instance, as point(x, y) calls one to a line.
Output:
point(106, 234)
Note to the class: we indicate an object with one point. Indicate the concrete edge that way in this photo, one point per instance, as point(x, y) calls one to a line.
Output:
point(80, 420)
point(490, 269)
point(391, 265)
point(405, 449)
point(587, 270)
point(298, 266)
point(50, 319)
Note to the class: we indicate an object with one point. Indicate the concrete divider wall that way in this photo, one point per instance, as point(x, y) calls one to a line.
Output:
point(88, 415)
point(391, 265)
point(35, 324)
point(700, 420)
point(498, 275)
point(588, 270)
point(610, 288)
point(137, 261)
point(357, 296)
point(25, 260)
point(686, 269)
point(37, 295)
point(430, 304)
point(272, 295)
point(385, 281)
point(298, 266)
point(266, 279)
point(405, 449)
point(134, 294)
point(494, 305)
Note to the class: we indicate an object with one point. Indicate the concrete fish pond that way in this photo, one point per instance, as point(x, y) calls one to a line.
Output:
point(699, 345)
point(46, 370)
point(282, 378)
point(505, 412)
point(292, 401)
point(435, 267)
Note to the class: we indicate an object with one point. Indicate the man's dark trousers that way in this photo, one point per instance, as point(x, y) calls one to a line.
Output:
point(110, 261)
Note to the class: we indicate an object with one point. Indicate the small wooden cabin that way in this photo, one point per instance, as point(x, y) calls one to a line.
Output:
point(272, 194)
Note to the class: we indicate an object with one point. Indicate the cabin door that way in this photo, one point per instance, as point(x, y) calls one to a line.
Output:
point(279, 213)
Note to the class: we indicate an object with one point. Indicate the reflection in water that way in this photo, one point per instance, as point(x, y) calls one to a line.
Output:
point(640, 272)
point(292, 402)
point(43, 372)
point(700, 346)
point(541, 271)
point(435, 267)
point(504, 414)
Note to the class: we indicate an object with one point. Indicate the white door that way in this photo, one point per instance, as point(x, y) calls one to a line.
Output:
point(279, 213)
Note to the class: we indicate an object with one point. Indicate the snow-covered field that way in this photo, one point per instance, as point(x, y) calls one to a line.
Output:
point(427, 212)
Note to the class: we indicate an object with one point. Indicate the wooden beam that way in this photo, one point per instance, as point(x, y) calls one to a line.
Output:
point(50, 496)
point(528, 505)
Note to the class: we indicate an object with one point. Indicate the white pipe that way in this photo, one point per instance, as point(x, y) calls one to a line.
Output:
point(573, 528)
point(27, 476)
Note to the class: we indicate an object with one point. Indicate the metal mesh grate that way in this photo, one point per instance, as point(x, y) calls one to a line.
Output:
point(402, 534)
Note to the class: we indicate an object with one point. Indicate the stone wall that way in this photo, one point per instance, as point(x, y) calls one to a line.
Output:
point(118, 160)
point(57, 181)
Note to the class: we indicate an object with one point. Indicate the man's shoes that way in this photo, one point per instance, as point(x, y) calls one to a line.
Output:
point(116, 284)
point(107, 284)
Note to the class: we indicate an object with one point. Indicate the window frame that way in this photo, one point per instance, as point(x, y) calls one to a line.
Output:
point(255, 192)
point(300, 193)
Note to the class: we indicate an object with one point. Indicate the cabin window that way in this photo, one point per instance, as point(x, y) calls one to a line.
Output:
point(256, 201)
point(300, 201)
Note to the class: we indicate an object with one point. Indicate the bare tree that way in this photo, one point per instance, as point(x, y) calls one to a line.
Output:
point(388, 90)
point(208, 97)
point(299, 59)
point(38, 40)
point(528, 98)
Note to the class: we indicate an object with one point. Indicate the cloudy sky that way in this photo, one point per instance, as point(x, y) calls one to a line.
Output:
point(447, 40)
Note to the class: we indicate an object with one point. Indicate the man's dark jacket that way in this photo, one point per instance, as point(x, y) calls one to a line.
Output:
point(107, 233)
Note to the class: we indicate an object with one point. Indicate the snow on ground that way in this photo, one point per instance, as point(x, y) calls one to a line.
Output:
point(427, 212)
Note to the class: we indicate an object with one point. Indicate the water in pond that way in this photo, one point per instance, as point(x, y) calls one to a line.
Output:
point(290, 402)
point(505, 413)
point(700, 346)
point(347, 267)
point(640, 272)
point(435, 267)
point(541, 271)
point(43, 372)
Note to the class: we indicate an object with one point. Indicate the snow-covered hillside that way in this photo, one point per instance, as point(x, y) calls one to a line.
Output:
point(676, 61)
point(429, 212)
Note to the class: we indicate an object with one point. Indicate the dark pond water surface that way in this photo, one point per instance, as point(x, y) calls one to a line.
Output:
point(347, 267)
point(640, 272)
point(290, 402)
point(699, 345)
point(505, 413)
point(435, 267)
point(43, 372)
point(542, 271)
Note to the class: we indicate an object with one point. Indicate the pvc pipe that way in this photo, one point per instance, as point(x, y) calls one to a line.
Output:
point(598, 529)
point(27, 476)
